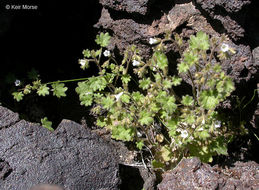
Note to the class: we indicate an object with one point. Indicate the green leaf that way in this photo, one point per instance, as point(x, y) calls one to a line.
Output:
point(200, 41)
point(140, 144)
point(103, 39)
point(107, 102)
point(98, 52)
point(86, 99)
point(18, 96)
point(203, 152)
point(172, 124)
point(122, 133)
point(167, 84)
point(208, 99)
point(187, 100)
point(82, 87)
point(157, 77)
point(229, 86)
point(101, 122)
point(220, 146)
point(165, 153)
point(125, 98)
point(204, 134)
point(182, 67)
point(97, 83)
point(176, 81)
point(145, 118)
point(137, 96)
point(46, 123)
point(190, 58)
point(126, 79)
point(169, 105)
point(87, 53)
point(43, 90)
point(161, 59)
point(144, 83)
point(59, 89)
point(157, 164)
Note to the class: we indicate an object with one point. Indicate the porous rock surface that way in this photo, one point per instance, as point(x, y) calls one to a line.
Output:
point(191, 174)
point(71, 157)
point(230, 13)
point(131, 6)
point(186, 18)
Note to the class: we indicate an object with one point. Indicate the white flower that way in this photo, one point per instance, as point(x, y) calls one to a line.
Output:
point(200, 129)
point(107, 53)
point(17, 82)
point(184, 133)
point(217, 124)
point(203, 122)
point(118, 96)
point(139, 134)
point(224, 47)
point(178, 130)
point(82, 62)
point(135, 63)
point(152, 41)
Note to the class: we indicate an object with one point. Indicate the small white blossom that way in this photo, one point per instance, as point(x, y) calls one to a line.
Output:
point(17, 82)
point(200, 129)
point(118, 96)
point(179, 130)
point(203, 122)
point(184, 133)
point(224, 47)
point(152, 41)
point(135, 63)
point(82, 62)
point(139, 134)
point(217, 124)
point(107, 53)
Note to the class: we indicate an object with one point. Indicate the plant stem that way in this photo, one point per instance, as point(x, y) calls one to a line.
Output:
point(65, 81)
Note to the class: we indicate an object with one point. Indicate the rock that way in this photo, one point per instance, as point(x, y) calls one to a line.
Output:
point(130, 6)
point(71, 157)
point(46, 187)
point(192, 174)
point(7, 117)
point(256, 56)
point(229, 13)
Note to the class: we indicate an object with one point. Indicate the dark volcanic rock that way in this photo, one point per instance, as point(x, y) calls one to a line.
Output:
point(7, 117)
point(191, 174)
point(46, 187)
point(228, 5)
point(130, 6)
point(71, 157)
point(230, 13)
